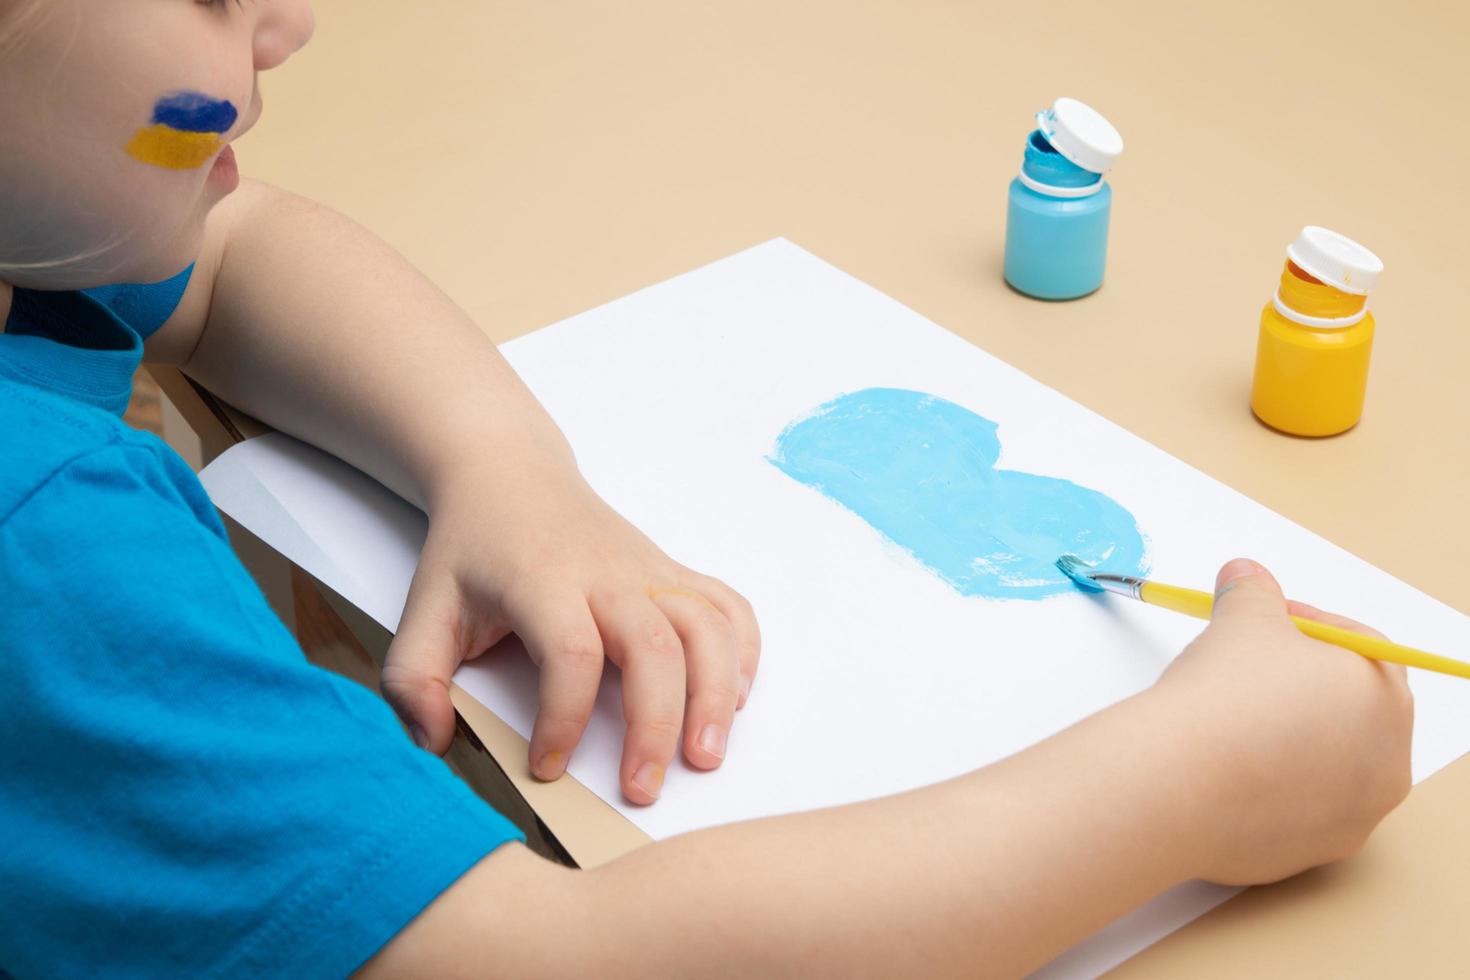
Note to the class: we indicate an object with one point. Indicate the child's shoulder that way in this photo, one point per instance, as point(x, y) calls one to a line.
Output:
point(48, 439)
point(40, 435)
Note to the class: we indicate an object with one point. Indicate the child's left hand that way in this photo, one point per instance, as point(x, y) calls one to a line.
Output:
point(319, 329)
point(544, 557)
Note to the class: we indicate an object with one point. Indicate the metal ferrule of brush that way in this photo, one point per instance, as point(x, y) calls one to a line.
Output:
point(1128, 585)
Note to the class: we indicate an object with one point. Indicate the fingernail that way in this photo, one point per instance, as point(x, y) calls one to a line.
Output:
point(744, 689)
point(649, 778)
point(1235, 570)
point(550, 766)
point(419, 737)
point(712, 740)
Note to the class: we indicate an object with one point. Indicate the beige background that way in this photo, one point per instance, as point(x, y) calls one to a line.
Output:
point(539, 158)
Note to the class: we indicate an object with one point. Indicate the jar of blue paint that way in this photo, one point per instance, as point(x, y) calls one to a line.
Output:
point(1057, 220)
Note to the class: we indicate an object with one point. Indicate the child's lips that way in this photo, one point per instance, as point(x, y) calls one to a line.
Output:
point(225, 170)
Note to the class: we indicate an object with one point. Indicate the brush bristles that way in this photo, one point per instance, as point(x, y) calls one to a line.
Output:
point(1077, 570)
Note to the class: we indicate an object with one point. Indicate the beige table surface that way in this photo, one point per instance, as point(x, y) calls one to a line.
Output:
point(540, 158)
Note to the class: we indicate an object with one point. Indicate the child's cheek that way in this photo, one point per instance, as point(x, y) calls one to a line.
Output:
point(185, 132)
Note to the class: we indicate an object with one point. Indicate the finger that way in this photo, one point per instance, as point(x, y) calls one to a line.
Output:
point(741, 616)
point(430, 644)
point(561, 637)
point(1306, 611)
point(640, 640)
point(1245, 591)
point(712, 667)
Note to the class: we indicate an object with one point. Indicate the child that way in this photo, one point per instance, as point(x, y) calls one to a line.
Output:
point(184, 794)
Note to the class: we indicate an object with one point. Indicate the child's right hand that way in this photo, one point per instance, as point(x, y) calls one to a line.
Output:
point(1303, 747)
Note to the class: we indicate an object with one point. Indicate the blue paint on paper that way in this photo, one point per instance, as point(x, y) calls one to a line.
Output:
point(922, 471)
point(194, 112)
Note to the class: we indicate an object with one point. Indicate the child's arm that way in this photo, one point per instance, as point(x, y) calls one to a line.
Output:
point(307, 321)
point(1259, 754)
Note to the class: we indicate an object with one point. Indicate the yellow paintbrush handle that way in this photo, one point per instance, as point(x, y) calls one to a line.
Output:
point(1198, 604)
point(1191, 602)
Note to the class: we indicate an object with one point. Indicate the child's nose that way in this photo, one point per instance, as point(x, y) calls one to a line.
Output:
point(283, 29)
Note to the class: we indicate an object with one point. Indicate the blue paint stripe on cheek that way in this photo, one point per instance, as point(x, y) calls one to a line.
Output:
point(194, 112)
point(921, 470)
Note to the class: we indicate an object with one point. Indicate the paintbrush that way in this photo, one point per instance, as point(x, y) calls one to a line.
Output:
point(1201, 604)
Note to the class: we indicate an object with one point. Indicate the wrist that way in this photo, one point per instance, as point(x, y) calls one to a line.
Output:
point(1196, 785)
point(1098, 818)
point(498, 473)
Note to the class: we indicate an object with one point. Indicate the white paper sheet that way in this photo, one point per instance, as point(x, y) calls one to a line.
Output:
point(876, 676)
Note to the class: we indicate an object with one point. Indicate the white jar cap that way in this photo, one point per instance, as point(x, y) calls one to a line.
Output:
point(1335, 259)
point(1081, 134)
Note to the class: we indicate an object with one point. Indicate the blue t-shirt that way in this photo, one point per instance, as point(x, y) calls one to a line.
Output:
point(181, 792)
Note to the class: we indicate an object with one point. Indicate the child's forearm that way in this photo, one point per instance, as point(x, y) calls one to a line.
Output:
point(318, 328)
point(991, 874)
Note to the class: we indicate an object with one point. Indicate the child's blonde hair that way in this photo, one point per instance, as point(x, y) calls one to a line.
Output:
point(16, 16)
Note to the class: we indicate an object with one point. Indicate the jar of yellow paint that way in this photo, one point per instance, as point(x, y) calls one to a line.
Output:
point(1316, 337)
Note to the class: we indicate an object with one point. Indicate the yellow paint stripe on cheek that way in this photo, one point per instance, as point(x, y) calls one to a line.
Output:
point(164, 146)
